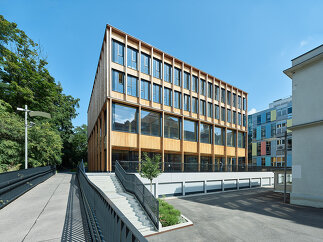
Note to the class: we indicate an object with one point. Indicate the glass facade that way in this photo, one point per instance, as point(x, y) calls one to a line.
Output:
point(234, 117)
point(229, 115)
point(117, 81)
point(132, 58)
point(222, 114)
point(231, 138)
point(157, 68)
point(177, 100)
point(222, 95)
point(145, 89)
point(190, 163)
point(124, 118)
point(195, 105)
point(150, 123)
point(168, 96)
point(172, 127)
point(132, 86)
point(202, 87)
point(117, 52)
point(210, 90)
point(202, 107)
point(206, 133)
point(210, 110)
point(157, 90)
point(167, 73)
point(177, 77)
point(187, 102)
point(195, 84)
point(216, 112)
point(228, 97)
point(145, 63)
point(187, 80)
point(216, 93)
point(190, 130)
point(219, 136)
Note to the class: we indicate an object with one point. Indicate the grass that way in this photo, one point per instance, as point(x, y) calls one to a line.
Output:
point(168, 215)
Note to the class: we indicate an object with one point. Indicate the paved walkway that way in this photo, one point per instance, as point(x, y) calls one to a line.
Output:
point(246, 215)
point(48, 212)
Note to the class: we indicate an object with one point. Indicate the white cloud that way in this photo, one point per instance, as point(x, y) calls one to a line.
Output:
point(303, 43)
point(252, 111)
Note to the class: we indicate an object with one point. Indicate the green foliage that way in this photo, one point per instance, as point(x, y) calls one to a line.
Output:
point(24, 80)
point(168, 215)
point(150, 168)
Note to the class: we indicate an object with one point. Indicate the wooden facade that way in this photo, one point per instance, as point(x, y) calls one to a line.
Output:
point(102, 140)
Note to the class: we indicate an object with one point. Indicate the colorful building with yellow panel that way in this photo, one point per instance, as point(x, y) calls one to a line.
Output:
point(266, 131)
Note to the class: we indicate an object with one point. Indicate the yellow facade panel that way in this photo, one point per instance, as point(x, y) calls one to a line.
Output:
point(273, 115)
point(254, 149)
point(150, 142)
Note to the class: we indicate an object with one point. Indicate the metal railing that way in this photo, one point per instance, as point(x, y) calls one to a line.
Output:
point(105, 221)
point(15, 183)
point(132, 184)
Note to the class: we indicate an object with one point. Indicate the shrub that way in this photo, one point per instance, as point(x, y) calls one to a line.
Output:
point(168, 215)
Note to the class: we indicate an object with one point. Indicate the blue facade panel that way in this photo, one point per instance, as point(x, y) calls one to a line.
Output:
point(259, 161)
point(258, 133)
point(268, 131)
point(273, 148)
point(289, 159)
point(263, 117)
point(268, 160)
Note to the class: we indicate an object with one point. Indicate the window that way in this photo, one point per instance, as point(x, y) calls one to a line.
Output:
point(216, 112)
point(202, 108)
point(187, 102)
point(157, 68)
point(239, 119)
point(190, 130)
point(210, 90)
point(234, 117)
point(222, 95)
point(258, 148)
point(117, 81)
point(268, 147)
point(177, 77)
point(290, 110)
point(259, 119)
point(202, 90)
point(195, 85)
point(168, 73)
point(222, 114)
point(132, 58)
point(268, 117)
point(206, 133)
point(219, 138)
point(241, 140)
point(239, 102)
point(263, 132)
point(187, 80)
point(229, 98)
point(172, 127)
point(229, 116)
point(124, 118)
point(234, 101)
point(244, 121)
point(157, 89)
point(145, 89)
point(195, 105)
point(216, 93)
point(177, 100)
point(117, 52)
point(244, 103)
point(231, 138)
point(150, 123)
point(273, 130)
point(145, 63)
point(167, 97)
point(210, 110)
point(132, 86)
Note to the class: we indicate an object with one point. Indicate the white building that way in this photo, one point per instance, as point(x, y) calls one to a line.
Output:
point(307, 75)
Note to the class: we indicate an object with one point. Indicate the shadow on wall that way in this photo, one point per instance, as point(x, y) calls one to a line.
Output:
point(75, 225)
point(267, 203)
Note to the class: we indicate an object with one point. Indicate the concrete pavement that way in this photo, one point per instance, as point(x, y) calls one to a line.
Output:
point(246, 215)
point(49, 212)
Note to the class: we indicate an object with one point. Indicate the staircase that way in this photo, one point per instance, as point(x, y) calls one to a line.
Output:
point(126, 203)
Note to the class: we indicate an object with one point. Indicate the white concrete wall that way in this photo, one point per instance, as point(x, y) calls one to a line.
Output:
point(307, 151)
point(171, 184)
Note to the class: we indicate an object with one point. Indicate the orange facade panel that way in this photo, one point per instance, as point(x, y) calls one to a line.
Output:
point(122, 139)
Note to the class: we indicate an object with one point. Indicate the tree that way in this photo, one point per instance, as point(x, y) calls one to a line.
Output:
point(150, 168)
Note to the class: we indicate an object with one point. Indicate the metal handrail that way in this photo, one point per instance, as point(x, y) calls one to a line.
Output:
point(132, 184)
point(105, 221)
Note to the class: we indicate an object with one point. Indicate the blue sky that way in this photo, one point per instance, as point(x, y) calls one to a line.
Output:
point(245, 43)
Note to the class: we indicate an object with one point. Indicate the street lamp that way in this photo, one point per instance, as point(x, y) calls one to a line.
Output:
point(32, 114)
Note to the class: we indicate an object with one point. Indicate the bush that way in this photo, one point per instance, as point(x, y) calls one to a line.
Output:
point(168, 215)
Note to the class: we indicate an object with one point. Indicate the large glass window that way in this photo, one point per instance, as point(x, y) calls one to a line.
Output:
point(244, 120)
point(195, 84)
point(222, 95)
point(244, 103)
point(167, 72)
point(202, 90)
point(202, 108)
point(145, 63)
point(239, 118)
point(190, 130)
point(210, 110)
point(187, 80)
point(145, 90)
point(241, 140)
point(234, 117)
point(195, 105)
point(124, 118)
point(229, 115)
point(177, 100)
point(132, 86)
point(157, 92)
point(150, 123)
point(190, 163)
point(219, 138)
point(173, 162)
point(239, 102)
point(234, 100)
point(222, 114)
point(231, 138)
point(210, 90)
point(216, 93)
point(216, 112)
point(177, 77)
point(206, 133)
point(157, 68)
point(187, 102)
point(167, 97)
point(117, 52)
point(228, 97)
point(132, 58)
point(172, 127)
point(117, 81)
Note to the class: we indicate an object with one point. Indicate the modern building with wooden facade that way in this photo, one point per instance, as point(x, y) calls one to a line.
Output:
point(145, 100)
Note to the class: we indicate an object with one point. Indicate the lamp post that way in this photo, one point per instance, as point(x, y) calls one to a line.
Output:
point(31, 113)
